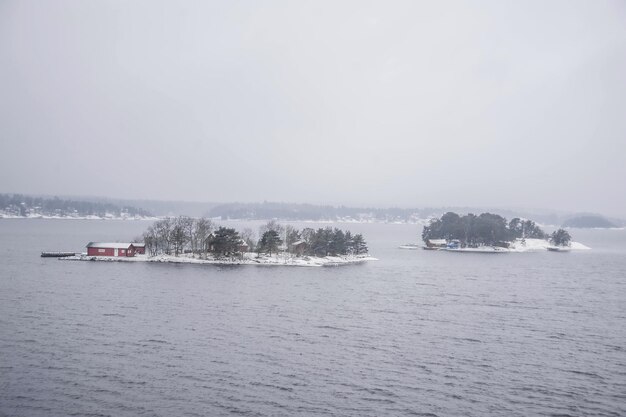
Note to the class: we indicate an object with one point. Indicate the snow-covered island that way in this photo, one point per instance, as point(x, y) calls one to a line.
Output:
point(491, 233)
point(185, 240)
point(18, 206)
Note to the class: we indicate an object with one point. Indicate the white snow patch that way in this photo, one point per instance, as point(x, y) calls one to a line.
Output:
point(540, 245)
point(246, 259)
point(529, 245)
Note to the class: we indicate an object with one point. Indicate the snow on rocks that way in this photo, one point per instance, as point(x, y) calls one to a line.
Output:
point(246, 259)
point(530, 245)
point(519, 245)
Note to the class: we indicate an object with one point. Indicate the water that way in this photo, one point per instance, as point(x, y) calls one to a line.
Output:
point(417, 333)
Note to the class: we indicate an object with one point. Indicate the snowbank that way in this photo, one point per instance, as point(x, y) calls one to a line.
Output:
point(540, 245)
point(529, 245)
point(68, 217)
point(247, 259)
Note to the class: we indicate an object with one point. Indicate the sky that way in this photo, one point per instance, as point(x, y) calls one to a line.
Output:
point(386, 103)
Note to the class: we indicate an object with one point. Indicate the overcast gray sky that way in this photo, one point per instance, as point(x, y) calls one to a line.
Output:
point(362, 103)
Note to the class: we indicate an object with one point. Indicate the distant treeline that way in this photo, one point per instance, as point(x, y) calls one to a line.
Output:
point(23, 205)
point(295, 212)
point(313, 212)
point(589, 221)
point(202, 237)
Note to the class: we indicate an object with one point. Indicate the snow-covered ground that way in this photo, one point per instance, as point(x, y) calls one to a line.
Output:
point(410, 246)
point(247, 259)
point(530, 245)
point(540, 245)
point(72, 217)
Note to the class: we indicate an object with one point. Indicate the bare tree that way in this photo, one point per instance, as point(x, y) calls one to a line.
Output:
point(187, 226)
point(272, 225)
point(202, 230)
point(179, 235)
point(292, 235)
point(163, 229)
point(151, 240)
point(247, 235)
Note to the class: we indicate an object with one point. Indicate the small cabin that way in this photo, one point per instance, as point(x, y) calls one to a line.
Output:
point(298, 247)
point(243, 246)
point(110, 249)
point(436, 243)
point(210, 247)
point(140, 248)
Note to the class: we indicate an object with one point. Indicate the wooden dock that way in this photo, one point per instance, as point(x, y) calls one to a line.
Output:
point(57, 254)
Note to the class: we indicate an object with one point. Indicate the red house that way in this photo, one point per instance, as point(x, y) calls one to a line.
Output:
point(110, 249)
point(140, 248)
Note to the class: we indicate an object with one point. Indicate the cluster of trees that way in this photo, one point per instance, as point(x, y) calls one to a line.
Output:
point(321, 242)
point(23, 205)
point(201, 236)
point(176, 235)
point(485, 229)
point(302, 212)
point(560, 238)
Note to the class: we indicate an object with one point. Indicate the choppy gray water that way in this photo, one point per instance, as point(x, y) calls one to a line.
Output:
point(417, 333)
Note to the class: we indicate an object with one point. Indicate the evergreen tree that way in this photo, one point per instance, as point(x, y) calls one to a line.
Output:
point(560, 238)
point(337, 245)
point(359, 246)
point(225, 241)
point(292, 235)
point(270, 241)
point(349, 242)
point(322, 241)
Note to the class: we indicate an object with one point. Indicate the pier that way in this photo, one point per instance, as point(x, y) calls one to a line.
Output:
point(57, 254)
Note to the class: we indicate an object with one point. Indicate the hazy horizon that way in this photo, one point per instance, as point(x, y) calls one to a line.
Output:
point(376, 104)
point(461, 209)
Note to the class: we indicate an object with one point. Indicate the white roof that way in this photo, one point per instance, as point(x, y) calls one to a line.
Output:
point(437, 241)
point(138, 245)
point(299, 242)
point(109, 245)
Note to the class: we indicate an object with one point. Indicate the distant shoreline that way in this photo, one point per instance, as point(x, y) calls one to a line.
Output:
point(422, 222)
point(9, 217)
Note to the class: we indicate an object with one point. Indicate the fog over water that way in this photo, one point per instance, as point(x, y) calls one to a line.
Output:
point(350, 102)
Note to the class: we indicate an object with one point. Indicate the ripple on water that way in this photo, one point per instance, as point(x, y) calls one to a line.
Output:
point(422, 334)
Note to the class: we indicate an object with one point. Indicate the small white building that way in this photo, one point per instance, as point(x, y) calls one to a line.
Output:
point(436, 243)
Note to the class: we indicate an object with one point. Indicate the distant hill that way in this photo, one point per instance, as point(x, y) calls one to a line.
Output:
point(589, 221)
point(163, 208)
point(70, 206)
point(18, 205)
point(313, 212)
point(301, 212)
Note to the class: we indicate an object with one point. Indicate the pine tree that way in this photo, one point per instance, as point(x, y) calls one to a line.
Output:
point(225, 241)
point(359, 246)
point(270, 241)
point(560, 238)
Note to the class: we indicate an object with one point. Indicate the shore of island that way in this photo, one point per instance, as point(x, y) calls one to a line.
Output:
point(519, 246)
point(249, 258)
